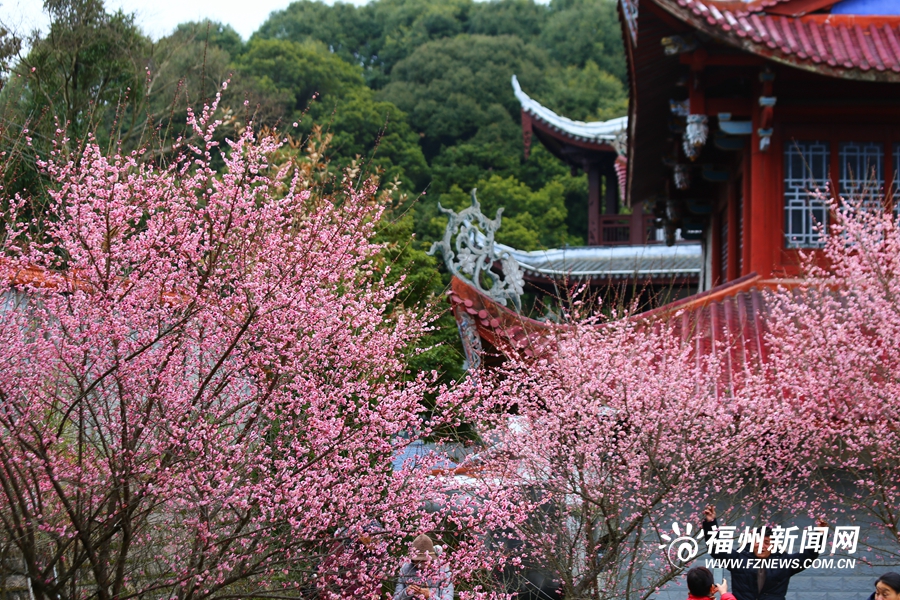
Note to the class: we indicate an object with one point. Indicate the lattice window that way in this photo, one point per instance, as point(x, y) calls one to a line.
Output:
point(805, 171)
point(862, 176)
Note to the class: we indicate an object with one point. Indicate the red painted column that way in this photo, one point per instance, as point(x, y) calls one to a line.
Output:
point(745, 214)
point(762, 220)
point(718, 276)
point(734, 245)
point(636, 231)
point(594, 189)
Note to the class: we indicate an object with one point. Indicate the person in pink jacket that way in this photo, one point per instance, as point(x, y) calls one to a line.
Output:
point(702, 586)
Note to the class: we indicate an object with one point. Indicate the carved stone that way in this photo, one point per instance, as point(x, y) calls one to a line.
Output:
point(469, 253)
point(471, 342)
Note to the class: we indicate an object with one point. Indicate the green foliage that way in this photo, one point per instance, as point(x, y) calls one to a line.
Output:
point(85, 76)
point(188, 68)
point(88, 66)
point(440, 349)
point(466, 163)
point(586, 93)
point(375, 131)
point(213, 35)
point(452, 87)
point(343, 28)
point(579, 31)
point(521, 18)
point(291, 72)
point(416, 92)
point(407, 24)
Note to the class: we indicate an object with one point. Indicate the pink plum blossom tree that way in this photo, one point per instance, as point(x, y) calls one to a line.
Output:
point(834, 376)
point(203, 383)
point(619, 432)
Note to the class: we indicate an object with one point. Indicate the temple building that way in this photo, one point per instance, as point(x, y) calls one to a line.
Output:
point(745, 116)
point(745, 108)
point(629, 255)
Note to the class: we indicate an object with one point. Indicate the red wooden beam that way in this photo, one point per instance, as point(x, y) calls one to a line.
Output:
point(539, 125)
point(724, 60)
point(526, 132)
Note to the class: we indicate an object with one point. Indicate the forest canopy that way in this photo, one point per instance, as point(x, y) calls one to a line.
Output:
point(416, 92)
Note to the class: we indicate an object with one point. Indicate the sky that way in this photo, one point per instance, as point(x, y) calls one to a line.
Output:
point(158, 18)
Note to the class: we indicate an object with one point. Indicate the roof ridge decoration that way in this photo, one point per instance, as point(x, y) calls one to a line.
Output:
point(610, 262)
point(470, 253)
point(743, 8)
point(473, 253)
point(593, 131)
point(630, 12)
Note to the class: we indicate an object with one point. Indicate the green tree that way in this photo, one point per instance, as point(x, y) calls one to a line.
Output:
point(85, 76)
point(343, 28)
point(405, 25)
point(440, 349)
point(213, 34)
point(375, 131)
point(90, 64)
point(522, 18)
point(290, 73)
point(451, 88)
point(187, 68)
point(583, 30)
point(586, 93)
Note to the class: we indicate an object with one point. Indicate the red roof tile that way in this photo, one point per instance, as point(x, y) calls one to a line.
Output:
point(853, 46)
point(730, 319)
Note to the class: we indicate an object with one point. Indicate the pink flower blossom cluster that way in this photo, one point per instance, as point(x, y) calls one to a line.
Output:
point(617, 435)
point(203, 384)
point(629, 427)
point(834, 378)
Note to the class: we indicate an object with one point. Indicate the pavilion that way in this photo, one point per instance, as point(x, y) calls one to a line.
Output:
point(739, 112)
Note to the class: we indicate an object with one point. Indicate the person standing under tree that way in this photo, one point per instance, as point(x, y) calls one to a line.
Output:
point(422, 578)
point(769, 580)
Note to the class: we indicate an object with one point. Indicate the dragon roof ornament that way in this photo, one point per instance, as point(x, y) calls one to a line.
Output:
point(472, 254)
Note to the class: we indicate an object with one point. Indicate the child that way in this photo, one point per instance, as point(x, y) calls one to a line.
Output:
point(701, 585)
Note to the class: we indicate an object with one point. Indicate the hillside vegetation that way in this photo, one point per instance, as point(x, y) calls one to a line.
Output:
point(416, 92)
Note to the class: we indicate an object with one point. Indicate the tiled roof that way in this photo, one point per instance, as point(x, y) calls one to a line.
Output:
point(506, 330)
point(38, 278)
point(597, 131)
point(743, 8)
point(729, 319)
point(612, 262)
point(862, 47)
